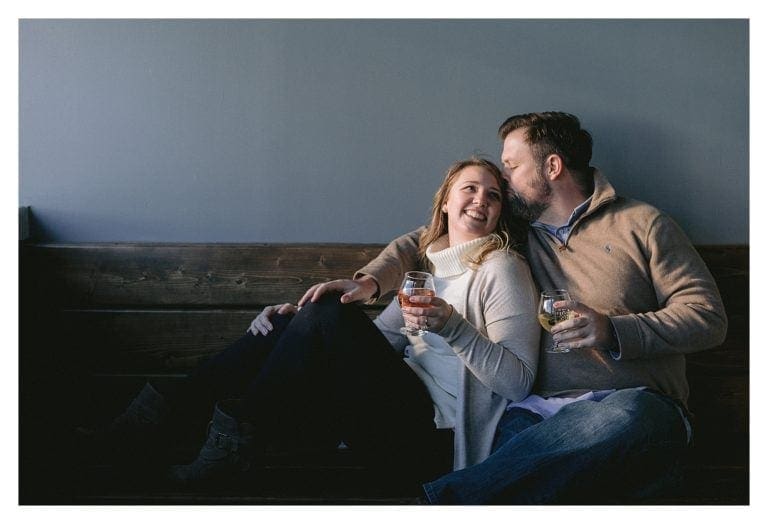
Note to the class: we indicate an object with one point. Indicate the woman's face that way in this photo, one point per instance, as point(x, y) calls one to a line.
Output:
point(473, 205)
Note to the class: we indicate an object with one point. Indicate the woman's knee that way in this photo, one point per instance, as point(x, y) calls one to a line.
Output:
point(327, 309)
point(280, 322)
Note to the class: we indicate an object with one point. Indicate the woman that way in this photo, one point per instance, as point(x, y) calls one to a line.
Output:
point(326, 373)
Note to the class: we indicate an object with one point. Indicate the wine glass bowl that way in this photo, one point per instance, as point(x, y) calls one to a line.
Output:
point(552, 311)
point(415, 283)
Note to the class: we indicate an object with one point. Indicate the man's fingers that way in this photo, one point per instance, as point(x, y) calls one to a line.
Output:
point(307, 295)
point(573, 305)
point(328, 287)
point(569, 325)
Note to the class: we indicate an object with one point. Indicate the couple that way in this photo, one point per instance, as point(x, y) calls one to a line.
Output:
point(603, 422)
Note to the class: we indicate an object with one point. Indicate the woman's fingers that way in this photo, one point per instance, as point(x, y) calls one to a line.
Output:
point(261, 324)
point(432, 318)
point(287, 309)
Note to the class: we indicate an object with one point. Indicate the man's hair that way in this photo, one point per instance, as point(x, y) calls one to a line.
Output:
point(556, 133)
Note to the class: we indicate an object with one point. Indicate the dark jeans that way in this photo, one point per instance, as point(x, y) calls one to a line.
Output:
point(320, 377)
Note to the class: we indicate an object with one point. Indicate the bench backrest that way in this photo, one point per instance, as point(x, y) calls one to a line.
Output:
point(137, 310)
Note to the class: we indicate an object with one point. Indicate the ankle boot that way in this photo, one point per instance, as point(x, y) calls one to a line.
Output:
point(148, 409)
point(228, 450)
point(133, 434)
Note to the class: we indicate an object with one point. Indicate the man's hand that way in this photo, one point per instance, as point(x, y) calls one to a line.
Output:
point(588, 329)
point(357, 290)
point(261, 323)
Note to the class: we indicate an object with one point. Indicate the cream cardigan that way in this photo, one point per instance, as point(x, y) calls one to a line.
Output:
point(495, 335)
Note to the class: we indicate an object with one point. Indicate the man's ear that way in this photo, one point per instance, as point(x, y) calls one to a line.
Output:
point(553, 166)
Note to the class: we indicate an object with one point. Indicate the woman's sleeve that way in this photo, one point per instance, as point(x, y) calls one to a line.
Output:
point(506, 359)
point(389, 323)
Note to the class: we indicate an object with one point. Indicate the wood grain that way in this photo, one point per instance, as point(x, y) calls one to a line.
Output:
point(214, 275)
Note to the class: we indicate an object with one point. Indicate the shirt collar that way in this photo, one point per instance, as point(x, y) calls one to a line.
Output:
point(562, 231)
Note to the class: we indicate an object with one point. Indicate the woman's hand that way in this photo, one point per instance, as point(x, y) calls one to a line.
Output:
point(261, 323)
point(425, 317)
point(362, 288)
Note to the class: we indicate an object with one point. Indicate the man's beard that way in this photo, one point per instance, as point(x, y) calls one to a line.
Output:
point(530, 210)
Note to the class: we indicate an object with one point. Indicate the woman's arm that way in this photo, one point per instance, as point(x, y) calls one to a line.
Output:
point(506, 359)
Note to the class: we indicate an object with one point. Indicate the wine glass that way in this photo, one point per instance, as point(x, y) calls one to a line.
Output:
point(549, 315)
point(415, 283)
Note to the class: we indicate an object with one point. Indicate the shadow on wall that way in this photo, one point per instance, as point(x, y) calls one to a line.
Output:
point(46, 226)
point(649, 162)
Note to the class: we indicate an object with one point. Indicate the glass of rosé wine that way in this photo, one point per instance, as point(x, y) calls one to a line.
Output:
point(415, 283)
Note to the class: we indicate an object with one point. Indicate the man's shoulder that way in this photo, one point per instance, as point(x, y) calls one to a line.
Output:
point(633, 211)
point(635, 218)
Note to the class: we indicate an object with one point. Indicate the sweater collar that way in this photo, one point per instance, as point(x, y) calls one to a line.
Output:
point(602, 194)
point(450, 261)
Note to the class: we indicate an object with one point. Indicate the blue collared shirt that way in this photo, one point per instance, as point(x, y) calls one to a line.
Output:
point(562, 232)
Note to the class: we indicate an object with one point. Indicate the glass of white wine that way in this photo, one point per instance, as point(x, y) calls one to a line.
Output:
point(549, 314)
point(415, 283)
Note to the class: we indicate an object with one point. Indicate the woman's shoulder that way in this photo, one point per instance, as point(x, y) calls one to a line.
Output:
point(506, 277)
point(504, 261)
point(505, 257)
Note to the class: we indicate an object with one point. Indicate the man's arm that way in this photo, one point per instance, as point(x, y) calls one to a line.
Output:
point(381, 275)
point(691, 317)
point(389, 267)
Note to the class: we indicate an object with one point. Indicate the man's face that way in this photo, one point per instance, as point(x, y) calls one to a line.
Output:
point(529, 190)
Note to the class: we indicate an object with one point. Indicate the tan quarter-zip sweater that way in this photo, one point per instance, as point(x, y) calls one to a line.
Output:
point(627, 260)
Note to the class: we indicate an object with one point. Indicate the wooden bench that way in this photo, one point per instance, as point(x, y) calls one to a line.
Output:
point(97, 320)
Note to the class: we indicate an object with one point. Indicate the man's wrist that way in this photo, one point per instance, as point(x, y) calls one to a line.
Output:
point(613, 347)
point(369, 283)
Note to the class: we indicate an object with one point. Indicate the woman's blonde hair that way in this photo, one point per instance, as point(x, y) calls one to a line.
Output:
point(509, 233)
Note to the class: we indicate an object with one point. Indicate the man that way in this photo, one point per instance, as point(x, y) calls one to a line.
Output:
point(607, 420)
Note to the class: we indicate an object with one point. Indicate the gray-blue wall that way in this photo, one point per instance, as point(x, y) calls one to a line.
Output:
point(340, 131)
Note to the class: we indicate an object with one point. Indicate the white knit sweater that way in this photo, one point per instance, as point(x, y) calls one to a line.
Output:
point(429, 355)
point(494, 334)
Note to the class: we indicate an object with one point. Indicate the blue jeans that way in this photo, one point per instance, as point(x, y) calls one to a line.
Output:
point(627, 445)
